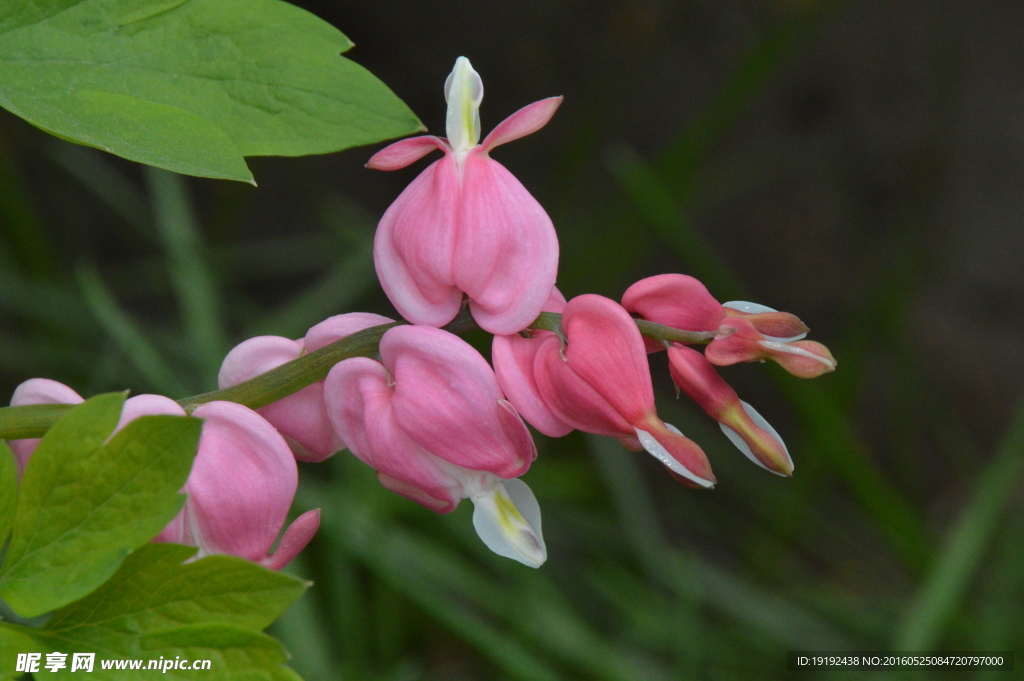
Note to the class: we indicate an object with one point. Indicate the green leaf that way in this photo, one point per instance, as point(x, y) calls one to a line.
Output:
point(13, 640)
point(155, 606)
point(8, 490)
point(191, 86)
point(85, 505)
point(153, 590)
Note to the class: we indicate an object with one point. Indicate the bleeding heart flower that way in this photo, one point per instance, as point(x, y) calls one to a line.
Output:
point(242, 484)
point(466, 224)
point(301, 417)
point(431, 420)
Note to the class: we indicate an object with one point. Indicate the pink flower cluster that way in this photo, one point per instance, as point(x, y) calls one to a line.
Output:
point(429, 414)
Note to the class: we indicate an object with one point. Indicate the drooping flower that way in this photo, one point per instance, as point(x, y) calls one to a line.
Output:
point(740, 422)
point(301, 417)
point(746, 332)
point(432, 421)
point(598, 383)
point(466, 224)
point(242, 483)
point(38, 391)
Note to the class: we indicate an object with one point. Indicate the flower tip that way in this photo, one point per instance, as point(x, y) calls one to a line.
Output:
point(682, 456)
point(295, 538)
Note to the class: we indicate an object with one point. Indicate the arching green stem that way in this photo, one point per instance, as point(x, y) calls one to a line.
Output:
point(34, 420)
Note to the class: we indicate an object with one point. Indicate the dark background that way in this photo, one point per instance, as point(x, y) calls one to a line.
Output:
point(857, 163)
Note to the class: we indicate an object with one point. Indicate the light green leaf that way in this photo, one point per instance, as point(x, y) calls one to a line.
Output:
point(191, 86)
point(8, 490)
point(85, 505)
point(13, 640)
point(157, 606)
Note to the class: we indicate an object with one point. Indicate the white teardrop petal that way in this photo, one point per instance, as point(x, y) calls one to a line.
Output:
point(505, 528)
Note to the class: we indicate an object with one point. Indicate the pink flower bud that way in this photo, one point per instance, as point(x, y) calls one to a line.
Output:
point(38, 391)
point(466, 224)
point(301, 417)
point(433, 423)
point(739, 341)
point(601, 384)
point(692, 372)
point(683, 302)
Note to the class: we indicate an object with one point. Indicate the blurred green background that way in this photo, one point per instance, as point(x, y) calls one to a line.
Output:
point(857, 163)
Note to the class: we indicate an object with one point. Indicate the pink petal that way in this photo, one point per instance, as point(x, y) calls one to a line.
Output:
point(301, 417)
point(177, 531)
point(359, 401)
point(38, 391)
point(242, 482)
point(526, 121)
point(695, 375)
point(415, 244)
point(44, 391)
point(147, 405)
point(606, 350)
point(674, 300)
point(256, 356)
point(571, 399)
point(514, 358)
point(506, 251)
point(295, 538)
point(447, 400)
point(405, 152)
point(339, 326)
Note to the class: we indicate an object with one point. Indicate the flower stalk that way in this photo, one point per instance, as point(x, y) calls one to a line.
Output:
point(34, 420)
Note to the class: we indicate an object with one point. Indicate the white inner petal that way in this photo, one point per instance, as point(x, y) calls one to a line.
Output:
point(658, 451)
point(463, 90)
point(507, 520)
point(744, 306)
point(742, 445)
point(757, 308)
point(796, 350)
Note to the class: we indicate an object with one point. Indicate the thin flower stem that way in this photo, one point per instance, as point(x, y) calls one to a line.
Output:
point(34, 420)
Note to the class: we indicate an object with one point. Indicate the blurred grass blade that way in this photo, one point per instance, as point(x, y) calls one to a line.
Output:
point(196, 290)
point(682, 160)
point(656, 204)
point(22, 232)
point(349, 280)
point(56, 306)
point(943, 590)
point(129, 338)
point(300, 630)
point(97, 173)
point(832, 434)
point(691, 577)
